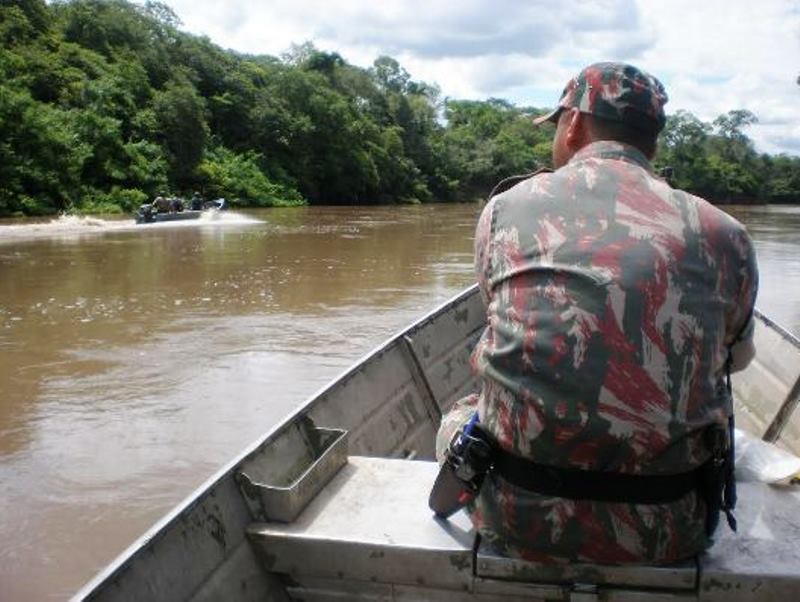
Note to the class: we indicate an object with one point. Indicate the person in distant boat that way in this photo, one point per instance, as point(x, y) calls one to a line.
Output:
point(196, 201)
point(161, 204)
point(616, 307)
point(176, 204)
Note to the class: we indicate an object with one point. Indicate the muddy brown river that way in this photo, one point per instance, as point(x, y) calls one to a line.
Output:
point(137, 360)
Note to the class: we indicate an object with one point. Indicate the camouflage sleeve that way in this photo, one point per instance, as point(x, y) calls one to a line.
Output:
point(483, 252)
point(740, 323)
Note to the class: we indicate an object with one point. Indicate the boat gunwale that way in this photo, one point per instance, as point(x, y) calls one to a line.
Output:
point(788, 407)
point(163, 525)
point(781, 330)
point(197, 495)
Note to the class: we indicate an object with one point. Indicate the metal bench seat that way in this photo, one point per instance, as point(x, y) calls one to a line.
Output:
point(369, 535)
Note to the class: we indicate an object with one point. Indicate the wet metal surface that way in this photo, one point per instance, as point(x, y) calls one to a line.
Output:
point(367, 526)
point(307, 470)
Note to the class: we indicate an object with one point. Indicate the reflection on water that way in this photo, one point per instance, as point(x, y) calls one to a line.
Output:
point(139, 359)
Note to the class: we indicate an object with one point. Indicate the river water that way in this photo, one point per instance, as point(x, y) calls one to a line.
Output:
point(136, 360)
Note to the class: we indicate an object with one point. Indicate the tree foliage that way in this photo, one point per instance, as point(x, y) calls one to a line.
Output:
point(105, 102)
point(718, 161)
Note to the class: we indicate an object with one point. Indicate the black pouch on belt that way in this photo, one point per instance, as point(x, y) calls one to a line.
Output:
point(469, 457)
point(717, 482)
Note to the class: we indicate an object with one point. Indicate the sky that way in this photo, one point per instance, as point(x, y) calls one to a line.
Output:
point(713, 56)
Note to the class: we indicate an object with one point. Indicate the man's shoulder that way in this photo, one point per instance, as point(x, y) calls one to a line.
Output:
point(712, 217)
point(520, 184)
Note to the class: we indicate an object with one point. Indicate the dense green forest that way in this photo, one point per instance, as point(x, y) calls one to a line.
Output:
point(105, 103)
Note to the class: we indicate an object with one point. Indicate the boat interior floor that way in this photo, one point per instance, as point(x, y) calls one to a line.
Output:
point(369, 535)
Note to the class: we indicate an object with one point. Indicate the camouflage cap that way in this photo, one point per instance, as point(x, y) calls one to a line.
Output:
point(615, 91)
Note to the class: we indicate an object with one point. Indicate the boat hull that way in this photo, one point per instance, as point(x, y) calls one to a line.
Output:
point(145, 215)
point(168, 217)
point(390, 403)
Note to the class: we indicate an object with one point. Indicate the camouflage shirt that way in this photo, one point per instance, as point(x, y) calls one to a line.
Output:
point(611, 299)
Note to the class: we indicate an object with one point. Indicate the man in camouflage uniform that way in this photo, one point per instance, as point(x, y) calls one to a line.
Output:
point(161, 204)
point(612, 303)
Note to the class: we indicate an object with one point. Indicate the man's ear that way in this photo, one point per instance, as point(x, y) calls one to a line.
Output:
point(577, 130)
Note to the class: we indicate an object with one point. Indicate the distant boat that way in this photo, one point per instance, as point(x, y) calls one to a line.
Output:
point(340, 512)
point(146, 214)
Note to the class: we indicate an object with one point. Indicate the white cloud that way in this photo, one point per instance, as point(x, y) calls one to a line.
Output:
point(721, 55)
point(482, 77)
point(713, 55)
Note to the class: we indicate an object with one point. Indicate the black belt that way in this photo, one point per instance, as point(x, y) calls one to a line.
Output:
point(576, 484)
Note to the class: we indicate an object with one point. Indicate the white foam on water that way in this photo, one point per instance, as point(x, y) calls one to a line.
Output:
point(69, 226)
point(206, 219)
point(63, 225)
point(227, 217)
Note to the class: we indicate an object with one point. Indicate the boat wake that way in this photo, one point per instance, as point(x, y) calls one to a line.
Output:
point(64, 226)
point(73, 226)
point(207, 218)
point(227, 217)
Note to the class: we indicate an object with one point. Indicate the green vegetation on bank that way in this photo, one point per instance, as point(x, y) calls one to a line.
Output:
point(105, 103)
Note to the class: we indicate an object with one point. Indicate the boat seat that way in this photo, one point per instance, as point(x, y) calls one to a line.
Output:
point(369, 535)
point(371, 523)
point(762, 559)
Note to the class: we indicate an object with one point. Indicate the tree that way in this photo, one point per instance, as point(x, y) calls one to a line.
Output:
point(40, 159)
point(162, 13)
point(182, 128)
point(683, 147)
point(223, 173)
point(783, 178)
point(389, 74)
point(733, 143)
point(103, 101)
